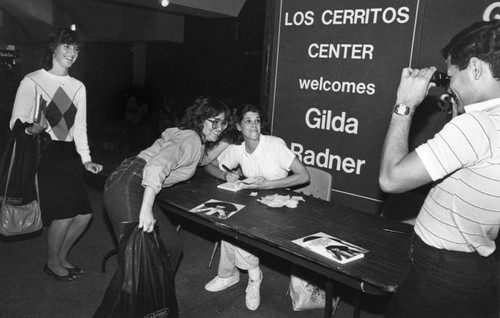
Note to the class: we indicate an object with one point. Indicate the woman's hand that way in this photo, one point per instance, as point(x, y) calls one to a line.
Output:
point(38, 127)
point(146, 220)
point(92, 167)
point(232, 176)
point(254, 183)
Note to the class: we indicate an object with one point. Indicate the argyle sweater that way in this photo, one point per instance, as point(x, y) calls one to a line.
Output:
point(63, 98)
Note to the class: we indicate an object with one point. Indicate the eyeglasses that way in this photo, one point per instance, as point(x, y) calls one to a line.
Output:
point(216, 123)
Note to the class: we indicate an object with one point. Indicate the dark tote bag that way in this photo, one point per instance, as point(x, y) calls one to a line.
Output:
point(28, 148)
point(143, 285)
point(20, 212)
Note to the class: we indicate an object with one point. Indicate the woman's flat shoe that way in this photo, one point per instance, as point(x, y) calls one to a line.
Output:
point(75, 270)
point(65, 278)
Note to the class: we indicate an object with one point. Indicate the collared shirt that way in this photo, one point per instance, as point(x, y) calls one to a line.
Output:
point(462, 210)
point(172, 158)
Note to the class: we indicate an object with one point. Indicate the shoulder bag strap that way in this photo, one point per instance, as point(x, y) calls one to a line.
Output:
point(10, 170)
point(36, 186)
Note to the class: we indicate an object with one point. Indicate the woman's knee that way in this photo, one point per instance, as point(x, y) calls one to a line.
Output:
point(83, 218)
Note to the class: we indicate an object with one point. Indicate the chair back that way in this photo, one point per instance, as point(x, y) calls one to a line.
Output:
point(320, 184)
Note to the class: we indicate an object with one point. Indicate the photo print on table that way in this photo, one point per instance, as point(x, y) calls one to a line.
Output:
point(219, 209)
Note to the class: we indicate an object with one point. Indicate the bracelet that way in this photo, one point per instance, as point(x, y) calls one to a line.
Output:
point(27, 131)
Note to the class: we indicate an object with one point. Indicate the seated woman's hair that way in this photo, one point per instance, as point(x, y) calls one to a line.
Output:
point(238, 114)
point(204, 107)
point(58, 37)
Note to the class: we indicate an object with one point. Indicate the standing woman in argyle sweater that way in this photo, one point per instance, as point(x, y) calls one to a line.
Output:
point(64, 201)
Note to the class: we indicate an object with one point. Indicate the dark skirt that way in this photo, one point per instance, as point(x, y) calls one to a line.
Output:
point(60, 181)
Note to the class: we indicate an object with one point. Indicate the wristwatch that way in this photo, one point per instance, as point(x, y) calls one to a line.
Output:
point(401, 110)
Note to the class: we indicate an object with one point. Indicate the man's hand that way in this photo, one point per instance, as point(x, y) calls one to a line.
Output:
point(414, 86)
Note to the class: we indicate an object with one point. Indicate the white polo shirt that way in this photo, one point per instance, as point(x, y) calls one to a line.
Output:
point(462, 210)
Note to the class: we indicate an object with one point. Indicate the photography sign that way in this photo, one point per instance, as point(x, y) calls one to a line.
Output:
point(336, 69)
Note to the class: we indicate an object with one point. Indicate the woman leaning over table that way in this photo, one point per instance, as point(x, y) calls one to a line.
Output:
point(64, 202)
point(268, 161)
point(130, 191)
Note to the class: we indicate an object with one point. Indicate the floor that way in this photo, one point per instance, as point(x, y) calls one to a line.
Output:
point(25, 291)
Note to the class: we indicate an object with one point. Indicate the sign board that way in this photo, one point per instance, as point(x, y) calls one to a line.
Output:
point(335, 71)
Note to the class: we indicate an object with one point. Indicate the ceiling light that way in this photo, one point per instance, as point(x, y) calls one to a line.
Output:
point(73, 27)
point(164, 3)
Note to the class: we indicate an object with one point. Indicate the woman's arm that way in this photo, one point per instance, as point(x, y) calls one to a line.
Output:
point(146, 217)
point(214, 170)
point(299, 176)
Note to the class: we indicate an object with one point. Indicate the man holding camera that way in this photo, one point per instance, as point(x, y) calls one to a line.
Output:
point(452, 271)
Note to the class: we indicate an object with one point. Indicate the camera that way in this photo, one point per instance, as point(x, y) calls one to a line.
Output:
point(440, 79)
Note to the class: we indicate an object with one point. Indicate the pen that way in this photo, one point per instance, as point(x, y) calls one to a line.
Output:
point(226, 168)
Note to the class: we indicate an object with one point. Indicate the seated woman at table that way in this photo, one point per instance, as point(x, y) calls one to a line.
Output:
point(268, 161)
point(130, 191)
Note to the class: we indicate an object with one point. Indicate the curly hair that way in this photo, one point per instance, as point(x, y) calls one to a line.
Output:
point(58, 37)
point(204, 107)
point(480, 40)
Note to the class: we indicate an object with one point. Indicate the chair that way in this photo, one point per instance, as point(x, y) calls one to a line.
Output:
point(320, 184)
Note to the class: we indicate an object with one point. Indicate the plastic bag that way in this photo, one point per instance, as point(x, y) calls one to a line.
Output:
point(143, 286)
point(305, 295)
point(305, 291)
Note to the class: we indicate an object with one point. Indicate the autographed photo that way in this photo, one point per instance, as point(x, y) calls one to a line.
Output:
point(219, 209)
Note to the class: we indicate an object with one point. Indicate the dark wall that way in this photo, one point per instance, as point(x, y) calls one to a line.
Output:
point(219, 56)
point(108, 74)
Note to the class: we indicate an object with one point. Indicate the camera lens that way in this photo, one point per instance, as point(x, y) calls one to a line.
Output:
point(440, 79)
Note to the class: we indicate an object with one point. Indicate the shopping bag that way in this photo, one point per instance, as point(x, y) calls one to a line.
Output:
point(143, 286)
point(305, 295)
point(305, 291)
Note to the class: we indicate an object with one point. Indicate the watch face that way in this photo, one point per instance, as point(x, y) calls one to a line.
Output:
point(401, 109)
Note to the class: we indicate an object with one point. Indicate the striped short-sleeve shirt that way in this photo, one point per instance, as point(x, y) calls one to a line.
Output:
point(462, 210)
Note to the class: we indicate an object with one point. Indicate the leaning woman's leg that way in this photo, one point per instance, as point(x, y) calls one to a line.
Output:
point(77, 226)
point(169, 237)
point(123, 194)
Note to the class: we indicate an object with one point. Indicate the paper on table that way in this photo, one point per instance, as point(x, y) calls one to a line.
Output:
point(278, 201)
point(231, 186)
point(234, 186)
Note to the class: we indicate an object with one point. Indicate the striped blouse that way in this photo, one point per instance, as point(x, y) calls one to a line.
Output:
point(462, 210)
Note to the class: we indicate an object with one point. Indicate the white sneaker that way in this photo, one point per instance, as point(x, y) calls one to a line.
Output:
point(221, 283)
point(252, 298)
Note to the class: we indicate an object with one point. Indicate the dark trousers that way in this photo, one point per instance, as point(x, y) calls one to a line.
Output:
point(443, 283)
point(123, 194)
